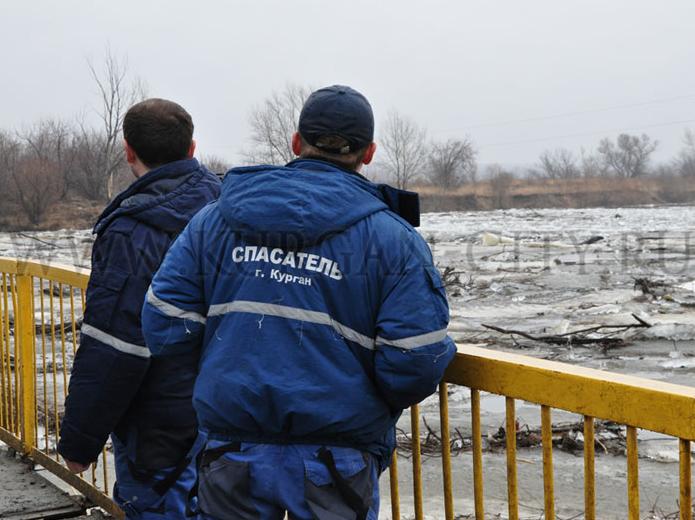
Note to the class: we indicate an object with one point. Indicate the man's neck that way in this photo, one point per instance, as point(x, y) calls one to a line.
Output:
point(139, 169)
point(332, 163)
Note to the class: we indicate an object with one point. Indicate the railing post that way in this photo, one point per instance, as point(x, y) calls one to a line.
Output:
point(446, 451)
point(24, 345)
point(393, 482)
point(417, 461)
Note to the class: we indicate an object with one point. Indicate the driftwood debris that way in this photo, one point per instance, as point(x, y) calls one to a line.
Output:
point(47, 329)
point(592, 240)
point(56, 328)
point(609, 437)
point(65, 293)
point(603, 335)
point(650, 287)
point(452, 280)
point(45, 243)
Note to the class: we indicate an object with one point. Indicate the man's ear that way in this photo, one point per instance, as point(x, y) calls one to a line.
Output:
point(369, 154)
point(130, 154)
point(191, 150)
point(296, 144)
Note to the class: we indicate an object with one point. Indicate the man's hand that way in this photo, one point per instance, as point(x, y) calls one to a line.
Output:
point(76, 467)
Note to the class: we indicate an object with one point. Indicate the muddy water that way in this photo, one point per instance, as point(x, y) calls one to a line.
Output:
point(535, 270)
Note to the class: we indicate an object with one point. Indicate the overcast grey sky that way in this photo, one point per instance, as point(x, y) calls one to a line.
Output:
point(517, 76)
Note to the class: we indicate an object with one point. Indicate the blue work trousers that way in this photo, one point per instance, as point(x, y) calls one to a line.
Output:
point(140, 501)
point(265, 481)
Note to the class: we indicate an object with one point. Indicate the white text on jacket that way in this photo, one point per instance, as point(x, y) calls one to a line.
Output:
point(295, 259)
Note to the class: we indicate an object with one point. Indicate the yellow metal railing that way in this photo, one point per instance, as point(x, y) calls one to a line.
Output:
point(631, 401)
point(40, 307)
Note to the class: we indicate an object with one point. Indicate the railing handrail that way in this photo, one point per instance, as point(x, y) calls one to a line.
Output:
point(643, 403)
point(60, 273)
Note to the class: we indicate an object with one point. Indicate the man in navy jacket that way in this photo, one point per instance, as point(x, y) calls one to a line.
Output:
point(318, 316)
point(115, 387)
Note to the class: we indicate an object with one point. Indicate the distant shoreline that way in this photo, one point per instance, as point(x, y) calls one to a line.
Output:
point(597, 192)
point(608, 192)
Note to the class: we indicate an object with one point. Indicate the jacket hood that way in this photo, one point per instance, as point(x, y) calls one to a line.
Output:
point(297, 205)
point(165, 198)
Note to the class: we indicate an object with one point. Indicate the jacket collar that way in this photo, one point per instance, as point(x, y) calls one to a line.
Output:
point(170, 170)
point(319, 165)
point(405, 204)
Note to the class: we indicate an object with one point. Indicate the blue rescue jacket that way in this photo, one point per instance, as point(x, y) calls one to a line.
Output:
point(317, 310)
point(115, 386)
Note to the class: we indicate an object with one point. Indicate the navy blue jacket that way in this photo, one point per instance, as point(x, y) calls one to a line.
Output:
point(115, 386)
point(317, 311)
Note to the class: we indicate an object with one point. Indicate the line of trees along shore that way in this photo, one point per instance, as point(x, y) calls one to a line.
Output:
point(56, 161)
point(65, 161)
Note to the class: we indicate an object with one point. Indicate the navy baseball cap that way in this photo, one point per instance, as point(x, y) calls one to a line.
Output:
point(341, 111)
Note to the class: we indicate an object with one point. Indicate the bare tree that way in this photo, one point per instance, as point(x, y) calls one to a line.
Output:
point(215, 164)
point(34, 165)
point(10, 147)
point(591, 164)
point(452, 163)
point(403, 145)
point(559, 164)
point(117, 92)
point(500, 186)
point(39, 183)
point(272, 125)
point(52, 141)
point(629, 155)
point(9, 154)
point(90, 164)
point(685, 162)
point(665, 170)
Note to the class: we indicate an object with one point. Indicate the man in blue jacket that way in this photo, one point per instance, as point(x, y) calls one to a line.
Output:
point(115, 387)
point(318, 316)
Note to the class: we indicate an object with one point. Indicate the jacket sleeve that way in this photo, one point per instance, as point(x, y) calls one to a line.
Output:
point(412, 345)
point(112, 359)
point(173, 317)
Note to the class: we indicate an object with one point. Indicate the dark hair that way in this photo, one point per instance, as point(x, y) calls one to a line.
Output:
point(350, 161)
point(159, 131)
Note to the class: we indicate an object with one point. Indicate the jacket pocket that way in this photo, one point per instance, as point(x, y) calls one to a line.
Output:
point(103, 294)
point(137, 498)
point(323, 495)
point(224, 490)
